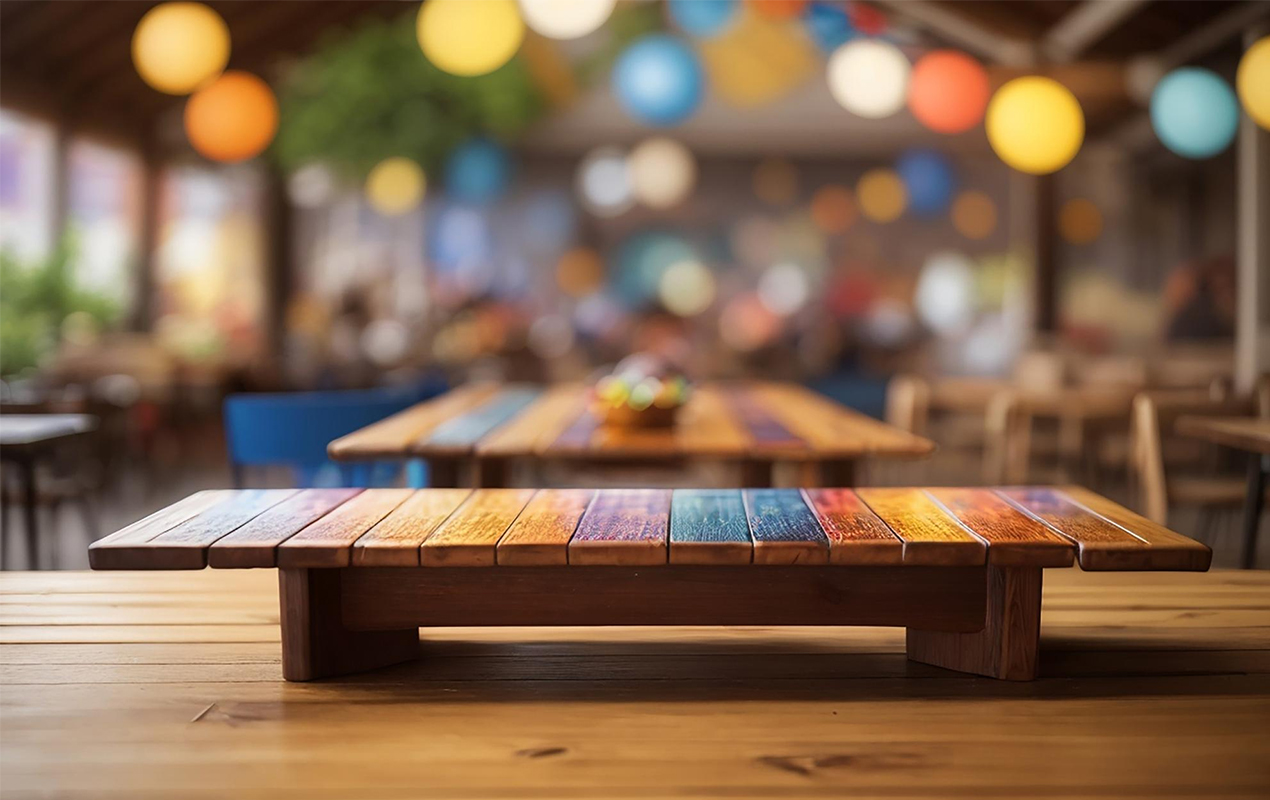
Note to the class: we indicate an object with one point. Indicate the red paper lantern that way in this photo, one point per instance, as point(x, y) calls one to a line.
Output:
point(867, 20)
point(779, 9)
point(948, 91)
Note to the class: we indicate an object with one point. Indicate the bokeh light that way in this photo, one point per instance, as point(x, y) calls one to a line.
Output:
point(1035, 124)
point(928, 181)
point(948, 91)
point(881, 195)
point(550, 336)
point(746, 324)
point(641, 260)
point(385, 342)
point(868, 19)
point(311, 186)
point(945, 295)
point(662, 172)
point(829, 25)
point(565, 19)
point(776, 182)
point(395, 186)
point(784, 289)
point(702, 18)
point(1252, 81)
point(478, 171)
point(232, 119)
point(869, 78)
point(604, 182)
point(658, 80)
point(833, 209)
point(778, 9)
point(974, 215)
point(469, 38)
point(686, 288)
point(178, 47)
point(1079, 221)
point(1194, 112)
point(580, 272)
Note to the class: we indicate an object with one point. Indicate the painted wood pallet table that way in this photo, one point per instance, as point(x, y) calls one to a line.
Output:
point(361, 571)
point(481, 429)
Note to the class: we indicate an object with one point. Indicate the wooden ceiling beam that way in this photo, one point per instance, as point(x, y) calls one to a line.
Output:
point(956, 29)
point(1084, 26)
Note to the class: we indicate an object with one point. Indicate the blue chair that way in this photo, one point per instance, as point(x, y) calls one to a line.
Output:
point(292, 430)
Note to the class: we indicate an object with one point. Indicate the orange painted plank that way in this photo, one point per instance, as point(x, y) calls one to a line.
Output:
point(625, 527)
point(328, 542)
point(541, 534)
point(469, 537)
point(125, 548)
point(395, 540)
point(1014, 539)
point(254, 544)
point(856, 535)
point(833, 430)
point(930, 535)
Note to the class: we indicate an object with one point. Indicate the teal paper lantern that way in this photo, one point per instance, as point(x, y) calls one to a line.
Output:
point(1194, 112)
point(658, 80)
point(702, 18)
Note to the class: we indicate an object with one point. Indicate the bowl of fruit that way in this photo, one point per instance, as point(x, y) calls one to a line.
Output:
point(642, 392)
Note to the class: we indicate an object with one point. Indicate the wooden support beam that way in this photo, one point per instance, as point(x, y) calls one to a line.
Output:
point(1252, 312)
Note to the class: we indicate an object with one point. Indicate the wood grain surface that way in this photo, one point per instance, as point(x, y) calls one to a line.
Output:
point(1242, 433)
point(469, 537)
point(328, 542)
point(119, 549)
point(151, 686)
point(930, 535)
point(708, 526)
point(394, 541)
point(540, 535)
point(1014, 539)
point(538, 426)
point(623, 527)
point(253, 544)
point(398, 435)
point(1169, 550)
point(856, 535)
point(785, 530)
point(460, 434)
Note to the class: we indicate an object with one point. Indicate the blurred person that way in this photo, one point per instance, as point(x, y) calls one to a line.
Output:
point(1200, 298)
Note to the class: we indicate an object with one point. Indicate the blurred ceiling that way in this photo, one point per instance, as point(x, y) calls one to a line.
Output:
point(71, 59)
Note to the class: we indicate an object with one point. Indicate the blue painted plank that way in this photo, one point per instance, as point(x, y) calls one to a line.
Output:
point(785, 530)
point(708, 526)
point(465, 430)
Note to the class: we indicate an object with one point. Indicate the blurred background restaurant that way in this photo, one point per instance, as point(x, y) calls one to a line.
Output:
point(1035, 232)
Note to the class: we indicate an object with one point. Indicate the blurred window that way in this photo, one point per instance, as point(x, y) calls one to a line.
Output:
point(27, 147)
point(104, 215)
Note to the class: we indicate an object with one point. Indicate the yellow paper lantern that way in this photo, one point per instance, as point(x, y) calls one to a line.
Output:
point(233, 118)
point(395, 186)
point(469, 37)
point(881, 195)
point(974, 215)
point(1079, 221)
point(1035, 124)
point(1252, 81)
point(178, 47)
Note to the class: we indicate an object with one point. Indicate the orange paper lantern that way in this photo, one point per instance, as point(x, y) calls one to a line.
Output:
point(232, 119)
point(948, 91)
point(779, 9)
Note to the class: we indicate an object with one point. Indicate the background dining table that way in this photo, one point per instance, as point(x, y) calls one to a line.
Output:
point(1252, 435)
point(478, 431)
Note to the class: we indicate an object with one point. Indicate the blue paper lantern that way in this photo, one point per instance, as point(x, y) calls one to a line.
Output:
point(829, 25)
point(658, 80)
point(1194, 112)
point(928, 179)
point(702, 18)
point(477, 172)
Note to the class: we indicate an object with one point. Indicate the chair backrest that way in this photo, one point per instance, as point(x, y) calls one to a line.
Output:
point(293, 429)
point(1153, 416)
point(908, 403)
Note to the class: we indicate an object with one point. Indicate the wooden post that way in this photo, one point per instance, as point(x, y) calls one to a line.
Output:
point(1007, 646)
point(1252, 313)
point(315, 643)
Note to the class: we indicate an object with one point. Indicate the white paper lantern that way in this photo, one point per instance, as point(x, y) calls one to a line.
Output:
point(945, 295)
point(662, 172)
point(565, 19)
point(686, 288)
point(784, 289)
point(604, 182)
point(869, 78)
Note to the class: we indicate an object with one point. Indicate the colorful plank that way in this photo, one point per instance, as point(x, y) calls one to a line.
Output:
point(930, 535)
point(856, 535)
point(470, 536)
point(458, 435)
point(708, 526)
point(625, 527)
point(540, 424)
point(397, 435)
point(765, 430)
point(395, 539)
point(253, 544)
point(127, 548)
point(1014, 539)
point(577, 435)
point(785, 530)
point(1109, 536)
point(833, 430)
point(328, 542)
point(540, 535)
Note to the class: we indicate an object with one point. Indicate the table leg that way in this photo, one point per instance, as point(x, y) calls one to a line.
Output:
point(1253, 501)
point(1007, 646)
point(26, 473)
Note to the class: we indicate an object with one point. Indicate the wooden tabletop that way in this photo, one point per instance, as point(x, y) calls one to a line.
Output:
point(158, 685)
point(726, 421)
point(30, 430)
point(1242, 433)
